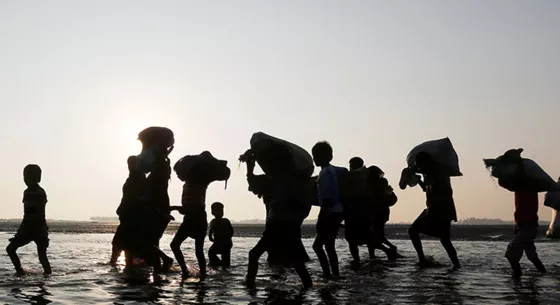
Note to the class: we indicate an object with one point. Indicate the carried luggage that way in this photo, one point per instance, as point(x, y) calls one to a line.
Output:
point(156, 136)
point(505, 168)
point(441, 151)
point(152, 138)
point(301, 163)
point(552, 198)
point(203, 166)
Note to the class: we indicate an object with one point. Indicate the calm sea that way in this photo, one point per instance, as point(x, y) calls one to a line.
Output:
point(82, 276)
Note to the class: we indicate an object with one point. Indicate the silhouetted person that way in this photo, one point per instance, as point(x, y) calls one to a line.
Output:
point(34, 227)
point(195, 223)
point(358, 205)
point(331, 214)
point(356, 163)
point(436, 219)
point(289, 206)
point(526, 216)
point(154, 213)
point(384, 198)
point(221, 234)
point(262, 187)
point(132, 190)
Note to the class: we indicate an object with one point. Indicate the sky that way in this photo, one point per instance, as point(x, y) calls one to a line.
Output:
point(80, 79)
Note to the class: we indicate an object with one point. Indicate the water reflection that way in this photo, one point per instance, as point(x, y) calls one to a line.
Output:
point(526, 291)
point(31, 296)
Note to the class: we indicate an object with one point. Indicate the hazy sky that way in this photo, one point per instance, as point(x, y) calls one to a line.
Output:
point(80, 79)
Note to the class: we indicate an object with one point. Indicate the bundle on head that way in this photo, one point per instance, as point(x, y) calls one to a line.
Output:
point(202, 167)
point(156, 137)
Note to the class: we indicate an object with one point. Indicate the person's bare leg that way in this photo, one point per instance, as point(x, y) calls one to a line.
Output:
point(199, 251)
point(322, 256)
point(417, 243)
point(355, 252)
point(333, 257)
point(44, 260)
point(176, 248)
point(304, 275)
point(253, 266)
point(11, 249)
point(451, 252)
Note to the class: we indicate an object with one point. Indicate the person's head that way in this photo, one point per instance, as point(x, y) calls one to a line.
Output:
point(376, 173)
point(322, 153)
point(356, 163)
point(131, 161)
point(423, 161)
point(32, 174)
point(218, 210)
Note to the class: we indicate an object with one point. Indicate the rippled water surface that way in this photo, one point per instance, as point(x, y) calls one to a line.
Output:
point(82, 276)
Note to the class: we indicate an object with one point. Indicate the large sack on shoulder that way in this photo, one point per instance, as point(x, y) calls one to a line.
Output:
point(153, 136)
point(552, 198)
point(441, 151)
point(203, 166)
point(505, 169)
point(301, 161)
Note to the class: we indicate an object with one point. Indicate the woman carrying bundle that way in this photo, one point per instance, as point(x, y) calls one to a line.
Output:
point(289, 206)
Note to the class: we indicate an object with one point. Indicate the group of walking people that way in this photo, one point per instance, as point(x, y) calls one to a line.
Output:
point(360, 197)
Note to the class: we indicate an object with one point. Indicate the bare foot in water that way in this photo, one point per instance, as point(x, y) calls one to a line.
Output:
point(167, 264)
point(427, 263)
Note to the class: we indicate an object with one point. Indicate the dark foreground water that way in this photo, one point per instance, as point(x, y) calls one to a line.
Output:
point(82, 276)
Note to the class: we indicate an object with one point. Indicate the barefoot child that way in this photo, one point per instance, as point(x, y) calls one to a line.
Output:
point(194, 223)
point(220, 233)
point(197, 172)
point(436, 219)
point(34, 225)
point(331, 214)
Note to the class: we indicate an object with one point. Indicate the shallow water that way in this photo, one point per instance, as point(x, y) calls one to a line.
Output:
point(82, 276)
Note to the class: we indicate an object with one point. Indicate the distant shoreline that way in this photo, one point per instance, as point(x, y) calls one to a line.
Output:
point(468, 232)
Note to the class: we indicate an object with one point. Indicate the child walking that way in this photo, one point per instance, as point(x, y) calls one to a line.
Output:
point(221, 234)
point(34, 227)
point(194, 223)
point(331, 214)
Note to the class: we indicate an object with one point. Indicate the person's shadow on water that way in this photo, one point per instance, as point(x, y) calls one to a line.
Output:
point(35, 297)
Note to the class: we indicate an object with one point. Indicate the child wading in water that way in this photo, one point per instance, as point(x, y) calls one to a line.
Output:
point(289, 206)
point(526, 217)
point(220, 233)
point(331, 214)
point(33, 228)
point(194, 223)
point(436, 219)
